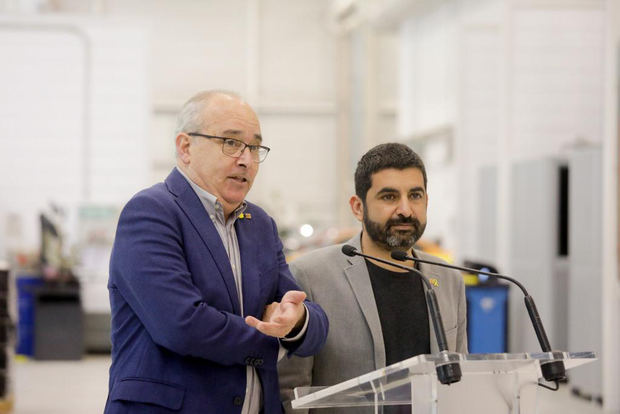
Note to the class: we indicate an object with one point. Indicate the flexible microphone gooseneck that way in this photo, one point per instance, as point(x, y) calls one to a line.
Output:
point(552, 371)
point(448, 372)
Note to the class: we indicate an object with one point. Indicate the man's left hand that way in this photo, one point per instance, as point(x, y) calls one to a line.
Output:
point(280, 318)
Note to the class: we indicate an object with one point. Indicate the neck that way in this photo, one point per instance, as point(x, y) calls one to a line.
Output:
point(228, 208)
point(370, 248)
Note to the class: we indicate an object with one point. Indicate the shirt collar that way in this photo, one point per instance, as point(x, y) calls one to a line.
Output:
point(210, 202)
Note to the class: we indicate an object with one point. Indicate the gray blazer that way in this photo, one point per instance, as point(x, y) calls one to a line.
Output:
point(341, 285)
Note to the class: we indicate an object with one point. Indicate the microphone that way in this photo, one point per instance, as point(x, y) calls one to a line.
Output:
point(552, 371)
point(349, 250)
point(447, 372)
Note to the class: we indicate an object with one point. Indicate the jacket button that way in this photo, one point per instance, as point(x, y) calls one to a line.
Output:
point(238, 400)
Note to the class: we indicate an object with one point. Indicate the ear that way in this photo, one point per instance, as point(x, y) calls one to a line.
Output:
point(183, 142)
point(357, 207)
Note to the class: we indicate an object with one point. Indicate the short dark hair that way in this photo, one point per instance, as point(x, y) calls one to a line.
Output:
point(381, 157)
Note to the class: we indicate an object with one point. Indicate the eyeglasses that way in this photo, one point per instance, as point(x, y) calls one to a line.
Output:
point(234, 147)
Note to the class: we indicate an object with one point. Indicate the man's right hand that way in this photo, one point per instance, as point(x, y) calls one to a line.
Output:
point(280, 318)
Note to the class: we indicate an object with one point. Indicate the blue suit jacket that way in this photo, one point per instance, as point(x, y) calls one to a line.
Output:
point(179, 342)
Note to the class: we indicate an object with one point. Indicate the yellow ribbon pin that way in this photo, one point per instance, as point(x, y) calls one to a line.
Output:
point(434, 282)
point(245, 216)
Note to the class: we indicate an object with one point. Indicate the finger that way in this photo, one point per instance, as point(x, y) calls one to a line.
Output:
point(272, 329)
point(294, 296)
point(252, 321)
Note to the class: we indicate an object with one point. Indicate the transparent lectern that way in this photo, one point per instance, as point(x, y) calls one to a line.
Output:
point(491, 383)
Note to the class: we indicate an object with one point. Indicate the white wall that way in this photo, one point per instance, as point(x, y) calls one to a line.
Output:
point(427, 111)
point(286, 71)
point(611, 210)
point(93, 92)
point(527, 80)
point(143, 60)
point(511, 83)
point(556, 79)
point(74, 117)
point(428, 93)
point(193, 44)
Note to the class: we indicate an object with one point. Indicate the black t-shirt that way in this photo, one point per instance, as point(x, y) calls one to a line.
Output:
point(401, 304)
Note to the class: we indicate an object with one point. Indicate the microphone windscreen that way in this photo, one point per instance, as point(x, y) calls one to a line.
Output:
point(399, 255)
point(349, 250)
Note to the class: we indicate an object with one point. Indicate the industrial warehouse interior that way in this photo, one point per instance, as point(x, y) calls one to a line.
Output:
point(512, 104)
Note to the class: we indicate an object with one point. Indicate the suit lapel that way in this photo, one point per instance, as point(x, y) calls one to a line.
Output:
point(248, 249)
point(197, 215)
point(359, 279)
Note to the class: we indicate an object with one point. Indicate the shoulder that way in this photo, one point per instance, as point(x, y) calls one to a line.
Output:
point(152, 211)
point(321, 258)
point(156, 197)
point(427, 256)
point(257, 212)
point(444, 273)
point(320, 272)
point(263, 225)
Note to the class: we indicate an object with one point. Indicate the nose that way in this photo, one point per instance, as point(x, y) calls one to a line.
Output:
point(404, 208)
point(245, 158)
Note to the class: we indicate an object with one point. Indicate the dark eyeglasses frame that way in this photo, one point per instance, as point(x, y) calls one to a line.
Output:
point(254, 149)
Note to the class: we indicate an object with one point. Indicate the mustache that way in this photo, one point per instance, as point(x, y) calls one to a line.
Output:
point(403, 220)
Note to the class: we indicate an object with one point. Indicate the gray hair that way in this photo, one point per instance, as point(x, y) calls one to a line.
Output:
point(190, 117)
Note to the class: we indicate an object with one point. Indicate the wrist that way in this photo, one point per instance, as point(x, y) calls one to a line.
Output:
point(298, 325)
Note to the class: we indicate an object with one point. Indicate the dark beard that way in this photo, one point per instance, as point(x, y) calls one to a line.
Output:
point(390, 239)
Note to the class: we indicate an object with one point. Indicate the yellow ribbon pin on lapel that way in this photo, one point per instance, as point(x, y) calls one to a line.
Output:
point(434, 282)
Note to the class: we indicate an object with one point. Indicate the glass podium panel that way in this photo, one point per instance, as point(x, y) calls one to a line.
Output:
point(508, 383)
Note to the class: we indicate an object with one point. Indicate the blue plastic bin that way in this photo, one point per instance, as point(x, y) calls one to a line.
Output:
point(26, 285)
point(487, 318)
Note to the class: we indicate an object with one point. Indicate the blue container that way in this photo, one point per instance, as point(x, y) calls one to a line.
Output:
point(26, 285)
point(487, 318)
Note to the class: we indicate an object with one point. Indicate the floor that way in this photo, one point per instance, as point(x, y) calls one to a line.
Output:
point(61, 387)
point(80, 387)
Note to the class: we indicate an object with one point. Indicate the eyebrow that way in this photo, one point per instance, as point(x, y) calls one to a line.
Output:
point(238, 132)
point(393, 190)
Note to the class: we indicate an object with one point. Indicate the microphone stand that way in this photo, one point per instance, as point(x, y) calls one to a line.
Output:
point(553, 371)
point(447, 372)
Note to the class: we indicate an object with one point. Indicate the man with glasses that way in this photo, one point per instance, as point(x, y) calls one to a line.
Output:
point(203, 303)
